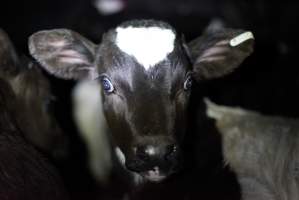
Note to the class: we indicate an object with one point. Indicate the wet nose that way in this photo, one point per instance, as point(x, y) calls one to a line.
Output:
point(148, 156)
point(149, 152)
point(145, 152)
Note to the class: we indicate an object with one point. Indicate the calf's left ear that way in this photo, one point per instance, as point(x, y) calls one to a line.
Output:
point(218, 52)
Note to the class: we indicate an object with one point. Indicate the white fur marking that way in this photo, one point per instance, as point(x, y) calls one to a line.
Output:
point(241, 38)
point(120, 155)
point(93, 128)
point(148, 45)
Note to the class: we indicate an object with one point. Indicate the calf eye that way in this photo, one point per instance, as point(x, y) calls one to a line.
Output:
point(107, 85)
point(188, 83)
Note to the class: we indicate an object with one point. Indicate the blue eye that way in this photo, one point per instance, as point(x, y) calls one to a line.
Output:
point(107, 85)
point(188, 83)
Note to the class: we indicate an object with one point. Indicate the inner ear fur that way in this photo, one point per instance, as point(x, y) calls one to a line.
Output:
point(63, 53)
point(217, 53)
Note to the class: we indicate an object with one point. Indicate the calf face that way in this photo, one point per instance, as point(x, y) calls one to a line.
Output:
point(33, 94)
point(146, 74)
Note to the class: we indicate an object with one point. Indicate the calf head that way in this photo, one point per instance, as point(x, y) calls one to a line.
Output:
point(146, 72)
point(32, 91)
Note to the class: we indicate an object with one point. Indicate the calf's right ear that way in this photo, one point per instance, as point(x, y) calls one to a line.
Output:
point(219, 51)
point(64, 53)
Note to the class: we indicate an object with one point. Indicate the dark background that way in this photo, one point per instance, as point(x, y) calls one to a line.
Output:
point(268, 81)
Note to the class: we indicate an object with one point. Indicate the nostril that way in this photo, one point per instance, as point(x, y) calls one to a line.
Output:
point(171, 152)
point(172, 148)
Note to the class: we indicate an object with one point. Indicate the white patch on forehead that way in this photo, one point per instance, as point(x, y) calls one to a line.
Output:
point(120, 155)
point(149, 45)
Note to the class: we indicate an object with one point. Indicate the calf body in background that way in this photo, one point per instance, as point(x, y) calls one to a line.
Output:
point(262, 150)
point(146, 72)
point(24, 173)
point(33, 94)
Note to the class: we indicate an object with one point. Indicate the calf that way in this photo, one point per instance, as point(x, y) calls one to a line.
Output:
point(24, 173)
point(32, 91)
point(146, 72)
point(262, 150)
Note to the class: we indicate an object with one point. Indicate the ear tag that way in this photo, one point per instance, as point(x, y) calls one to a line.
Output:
point(241, 38)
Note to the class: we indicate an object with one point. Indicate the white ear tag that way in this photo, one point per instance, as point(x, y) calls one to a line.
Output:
point(241, 38)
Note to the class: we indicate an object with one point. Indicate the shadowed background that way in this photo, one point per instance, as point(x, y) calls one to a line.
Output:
point(268, 81)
